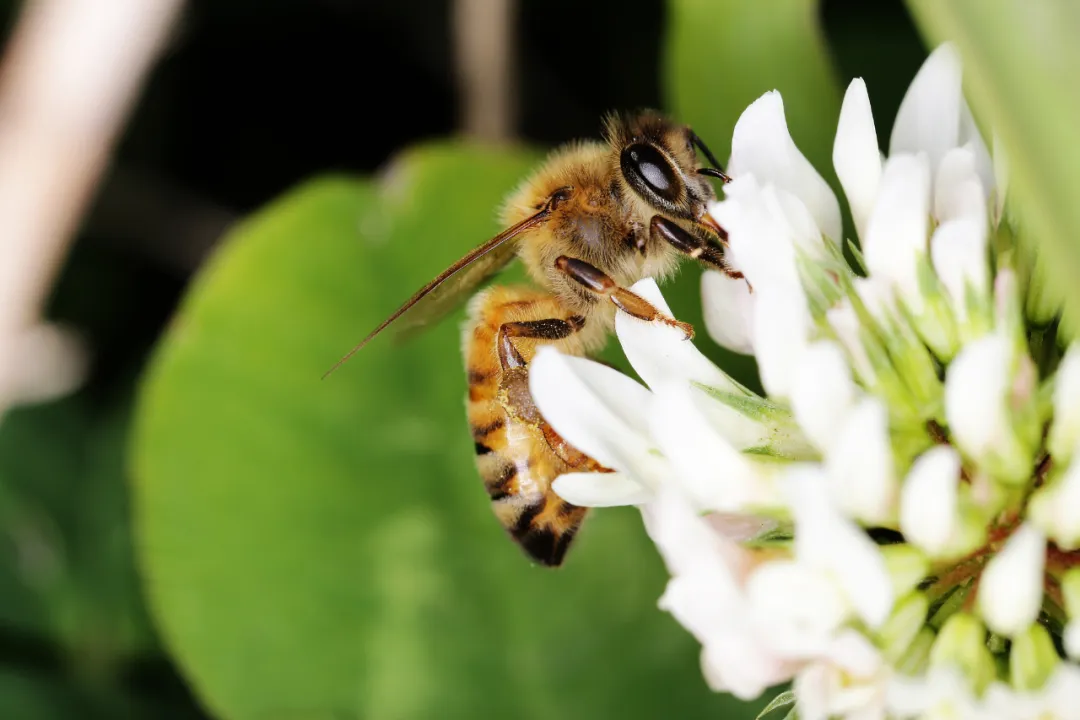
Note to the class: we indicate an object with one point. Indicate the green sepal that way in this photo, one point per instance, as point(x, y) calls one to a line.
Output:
point(1033, 658)
point(784, 700)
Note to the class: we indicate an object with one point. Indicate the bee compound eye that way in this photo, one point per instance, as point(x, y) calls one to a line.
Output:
point(648, 169)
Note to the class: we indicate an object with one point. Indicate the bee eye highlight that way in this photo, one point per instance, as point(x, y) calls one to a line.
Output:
point(648, 170)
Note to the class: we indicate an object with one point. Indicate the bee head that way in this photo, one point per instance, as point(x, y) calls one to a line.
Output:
point(658, 163)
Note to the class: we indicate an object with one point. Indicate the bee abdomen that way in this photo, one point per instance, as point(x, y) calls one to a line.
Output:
point(503, 483)
point(545, 528)
point(517, 454)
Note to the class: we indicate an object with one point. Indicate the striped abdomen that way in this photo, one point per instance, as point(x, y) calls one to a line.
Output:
point(517, 453)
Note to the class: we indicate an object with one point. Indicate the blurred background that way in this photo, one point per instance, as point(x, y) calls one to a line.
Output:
point(203, 529)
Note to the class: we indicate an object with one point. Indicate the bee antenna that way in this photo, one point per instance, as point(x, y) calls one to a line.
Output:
point(719, 170)
point(713, 172)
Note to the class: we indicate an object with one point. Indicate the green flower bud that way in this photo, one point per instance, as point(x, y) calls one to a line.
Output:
point(1033, 658)
point(962, 644)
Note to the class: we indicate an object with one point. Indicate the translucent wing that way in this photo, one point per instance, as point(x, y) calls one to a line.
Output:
point(454, 284)
point(444, 294)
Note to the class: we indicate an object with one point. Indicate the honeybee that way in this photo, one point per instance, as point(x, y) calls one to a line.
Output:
point(593, 219)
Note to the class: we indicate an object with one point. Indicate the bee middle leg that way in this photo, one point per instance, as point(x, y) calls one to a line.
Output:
point(514, 378)
point(596, 281)
point(686, 242)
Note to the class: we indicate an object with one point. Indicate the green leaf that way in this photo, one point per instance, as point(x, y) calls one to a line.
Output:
point(67, 571)
point(722, 55)
point(1021, 64)
point(325, 549)
point(27, 697)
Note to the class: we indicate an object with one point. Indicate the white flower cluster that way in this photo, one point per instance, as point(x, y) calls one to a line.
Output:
point(894, 526)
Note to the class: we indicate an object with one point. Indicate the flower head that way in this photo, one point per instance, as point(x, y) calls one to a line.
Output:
point(894, 526)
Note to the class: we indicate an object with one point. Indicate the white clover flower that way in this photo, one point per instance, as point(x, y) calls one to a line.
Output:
point(895, 526)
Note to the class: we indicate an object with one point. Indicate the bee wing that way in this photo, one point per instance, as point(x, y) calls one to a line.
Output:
point(443, 295)
point(454, 284)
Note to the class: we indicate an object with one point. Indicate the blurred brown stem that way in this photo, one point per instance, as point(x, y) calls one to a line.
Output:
point(68, 79)
point(484, 47)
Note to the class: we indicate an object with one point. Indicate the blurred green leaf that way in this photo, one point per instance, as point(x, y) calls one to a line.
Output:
point(67, 572)
point(26, 697)
point(721, 55)
point(325, 549)
point(28, 693)
point(1022, 71)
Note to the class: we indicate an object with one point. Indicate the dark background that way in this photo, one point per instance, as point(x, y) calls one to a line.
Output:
point(254, 96)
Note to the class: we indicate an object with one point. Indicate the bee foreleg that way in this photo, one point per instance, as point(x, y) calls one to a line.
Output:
point(595, 280)
point(692, 245)
point(548, 329)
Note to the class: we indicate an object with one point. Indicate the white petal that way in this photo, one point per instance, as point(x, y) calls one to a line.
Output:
point(705, 596)
point(760, 240)
point(846, 683)
point(975, 390)
point(878, 297)
point(896, 234)
point(660, 353)
point(688, 543)
point(1065, 429)
point(855, 154)
point(781, 330)
point(824, 392)
point(845, 323)
point(729, 311)
point(1057, 697)
point(761, 145)
point(598, 410)
point(853, 653)
point(929, 500)
point(600, 489)
point(929, 116)
point(860, 464)
point(958, 190)
point(698, 597)
point(1054, 507)
point(1071, 639)
point(801, 226)
point(958, 251)
point(942, 693)
point(661, 356)
point(714, 474)
point(826, 539)
point(796, 607)
point(1011, 589)
point(740, 665)
point(970, 138)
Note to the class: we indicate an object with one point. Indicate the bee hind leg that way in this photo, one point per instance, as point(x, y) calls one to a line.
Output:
point(514, 380)
point(548, 329)
point(596, 281)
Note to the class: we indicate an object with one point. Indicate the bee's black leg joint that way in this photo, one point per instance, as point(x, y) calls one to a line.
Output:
point(550, 329)
point(691, 245)
point(600, 283)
